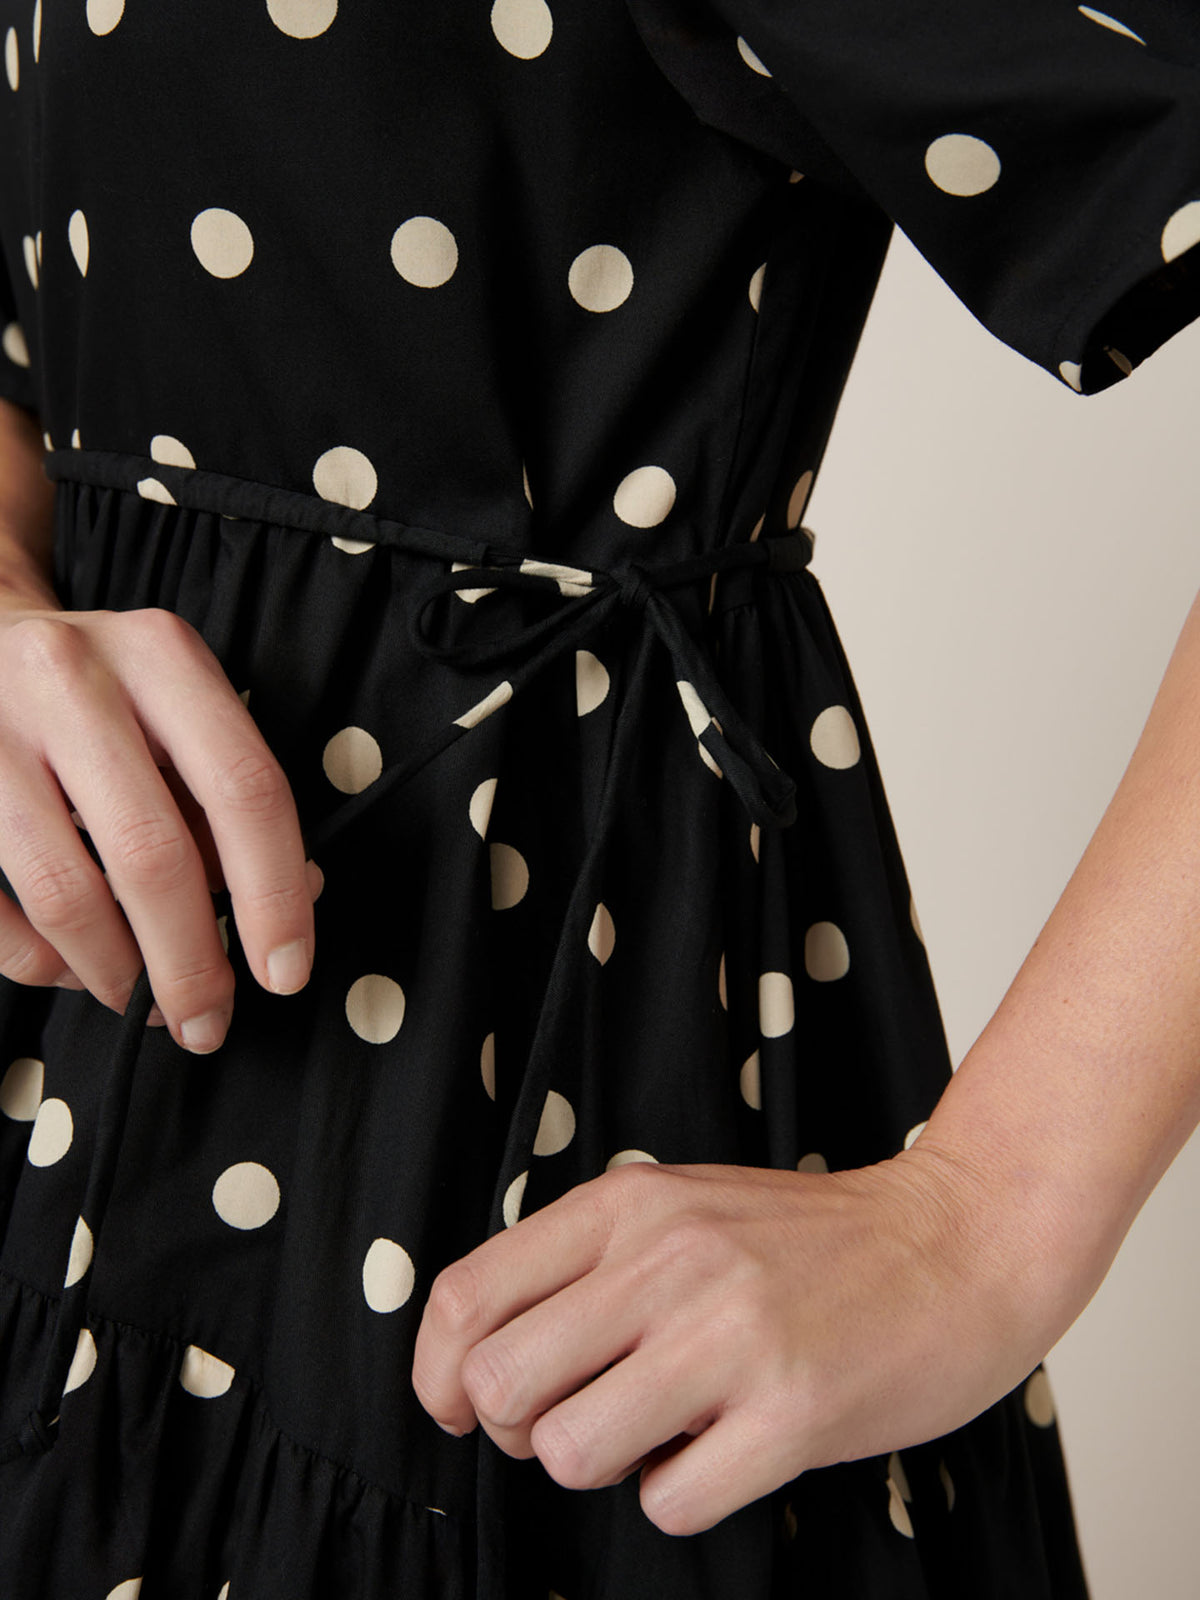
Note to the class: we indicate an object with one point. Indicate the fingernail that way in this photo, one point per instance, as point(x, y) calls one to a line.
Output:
point(68, 981)
point(316, 879)
point(204, 1033)
point(287, 967)
point(456, 1433)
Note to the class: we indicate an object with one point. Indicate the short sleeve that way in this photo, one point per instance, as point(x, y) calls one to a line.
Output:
point(16, 376)
point(1043, 157)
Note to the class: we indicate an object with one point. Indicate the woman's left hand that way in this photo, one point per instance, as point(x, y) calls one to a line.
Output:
point(726, 1328)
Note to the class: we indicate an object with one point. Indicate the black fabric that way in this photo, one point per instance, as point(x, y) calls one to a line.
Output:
point(461, 377)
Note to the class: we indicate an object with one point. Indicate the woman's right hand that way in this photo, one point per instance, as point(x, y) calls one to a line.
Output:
point(127, 719)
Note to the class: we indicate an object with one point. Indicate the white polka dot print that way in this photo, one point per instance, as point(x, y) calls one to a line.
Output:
point(205, 1375)
point(602, 935)
point(591, 682)
point(1071, 372)
point(1106, 21)
point(424, 252)
point(80, 1258)
point(129, 1590)
point(525, 485)
point(914, 1133)
point(899, 1476)
point(352, 760)
point(499, 696)
point(510, 876)
point(947, 1484)
point(814, 1161)
point(834, 738)
point(898, 1511)
point(523, 27)
point(246, 1195)
point(961, 164)
point(302, 19)
point(624, 1157)
point(645, 496)
point(776, 1004)
point(75, 444)
point(77, 238)
point(513, 1196)
point(749, 57)
point(83, 1362)
point(387, 1276)
point(826, 953)
point(1039, 1401)
point(345, 476)
point(351, 547)
point(1182, 230)
point(53, 1130)
point(375, 1008)
point(15, 347)
point(12, 64)
point(914, 919)
point(223, 243)
point(750, 1081)
point(21, 1088)
point(557, 1126)
point(798, 499)
point(756, 283)
point(155, 489)
point(480, 808)
point(722, 996)
point(224, 1591)
point(37, 30)
point(600, 278)
point(171, 452)
point(468, 595)
point(38, 246)
point(30, 252)
point(103, 15)
point(487, 1065)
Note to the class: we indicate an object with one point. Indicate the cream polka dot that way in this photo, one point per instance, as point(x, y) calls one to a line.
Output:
point(83, 1362)
point(557, 1126)
point(914, 1133)
point(755, 838)
point(153, 489)
point(916, 921)
point(487, 1065)
point(898, 1511)
point(644, 496)
point(600, 278)
point(814, 1161)
point(513, 1196)
point(1106, 21)
point(29, 250)
point(129, 1590)
point(624, 1157)
point(749, 57)
point(591, 682)
point(959, 163)
point(776, 1004)
point(499, 696)
point(38, 246)
point(224, 1591)
point(826, 954)
point(480, 808)
point(757, 528)
point(302, 19)
point(602, 935)
point(522, 27)
point(798, 498)
point(697, 712)
point(12, 64)
point(352, 547)
point(21, 1088)
point(1182, 230)
point(375, 1007)
point(1071, 373)
point(947, 1485)
point(898, 1475)
point(170, 452)
point(47, 441)
point(103, 15)
point(834, 738)
point(80, 1258)
point(1119, 359)
point(525, 484)
point(75, 444)
point(424, 252)
point(223, 243)
point(756, 283)
point(77, 238)
point(345, 476)
point(722, 996)
point(469, 595)
point(53, 1130)
point(510, 876)
point(750, 1082)
point(204, 1375)
point(246, 1195)
point(15, 347)
point(387, 1275)
point(37, 30)
point(1039, 1401)
point(352, 760)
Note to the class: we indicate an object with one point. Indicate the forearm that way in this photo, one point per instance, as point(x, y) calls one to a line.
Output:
point(26, 512)
point(1086, 1083)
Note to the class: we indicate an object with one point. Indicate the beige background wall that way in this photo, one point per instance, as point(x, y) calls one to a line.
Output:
point(1010, 564)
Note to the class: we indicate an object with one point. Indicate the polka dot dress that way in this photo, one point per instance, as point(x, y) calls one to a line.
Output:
point(462, 375)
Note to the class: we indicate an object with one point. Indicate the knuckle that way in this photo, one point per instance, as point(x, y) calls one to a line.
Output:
point(30, 964)
point(56, 894)
point(151, 850)
point(253, 783)
point(45, 646)
point(158, 626)
point(455, 1299)
point(687, 1242)
point(492, 1382)
point(565, 1457)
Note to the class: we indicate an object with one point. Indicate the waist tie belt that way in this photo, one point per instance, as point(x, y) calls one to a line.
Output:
point(589, 596)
